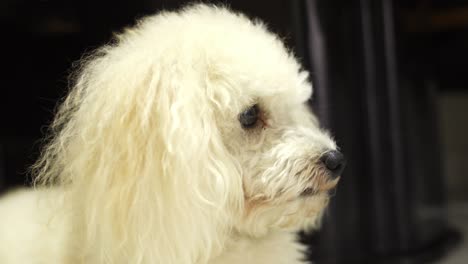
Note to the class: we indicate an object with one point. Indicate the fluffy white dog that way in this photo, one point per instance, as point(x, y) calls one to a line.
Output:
point(186, 140)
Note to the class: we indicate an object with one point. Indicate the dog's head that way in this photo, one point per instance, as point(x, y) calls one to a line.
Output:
point(189, 125)
point(258, 96)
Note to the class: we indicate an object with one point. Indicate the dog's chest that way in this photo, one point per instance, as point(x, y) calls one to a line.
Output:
point(278, 248)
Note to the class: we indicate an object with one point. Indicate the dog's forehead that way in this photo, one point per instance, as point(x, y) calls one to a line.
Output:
point(232, 49)
point(249, 56)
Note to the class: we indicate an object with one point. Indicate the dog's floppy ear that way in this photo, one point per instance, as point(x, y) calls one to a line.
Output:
point(138, 149)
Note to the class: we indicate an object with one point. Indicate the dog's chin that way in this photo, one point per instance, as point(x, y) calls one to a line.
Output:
point(309, 212)
point(294, 213)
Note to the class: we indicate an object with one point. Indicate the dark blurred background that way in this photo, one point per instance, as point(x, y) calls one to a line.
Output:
point(391, 82)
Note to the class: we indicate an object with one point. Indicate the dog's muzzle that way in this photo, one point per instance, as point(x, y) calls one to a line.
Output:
point(333, 163)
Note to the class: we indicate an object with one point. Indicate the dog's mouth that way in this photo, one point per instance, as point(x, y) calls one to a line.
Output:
point(308, 192)
point(325, 187)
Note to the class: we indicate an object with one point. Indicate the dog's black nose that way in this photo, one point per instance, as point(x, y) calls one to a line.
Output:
point(334, 161)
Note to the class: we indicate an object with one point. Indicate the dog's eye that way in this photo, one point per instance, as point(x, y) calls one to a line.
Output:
point(249, 117)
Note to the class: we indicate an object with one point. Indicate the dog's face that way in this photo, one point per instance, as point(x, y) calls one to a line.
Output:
point(288, 163)
point(282, 152)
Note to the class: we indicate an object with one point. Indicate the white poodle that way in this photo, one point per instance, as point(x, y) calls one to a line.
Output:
point(188, 139)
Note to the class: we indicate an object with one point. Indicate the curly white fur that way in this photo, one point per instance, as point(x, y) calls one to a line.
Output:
point(148, 163)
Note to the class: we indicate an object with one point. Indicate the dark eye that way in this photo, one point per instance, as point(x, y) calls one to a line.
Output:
point(249, 117)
